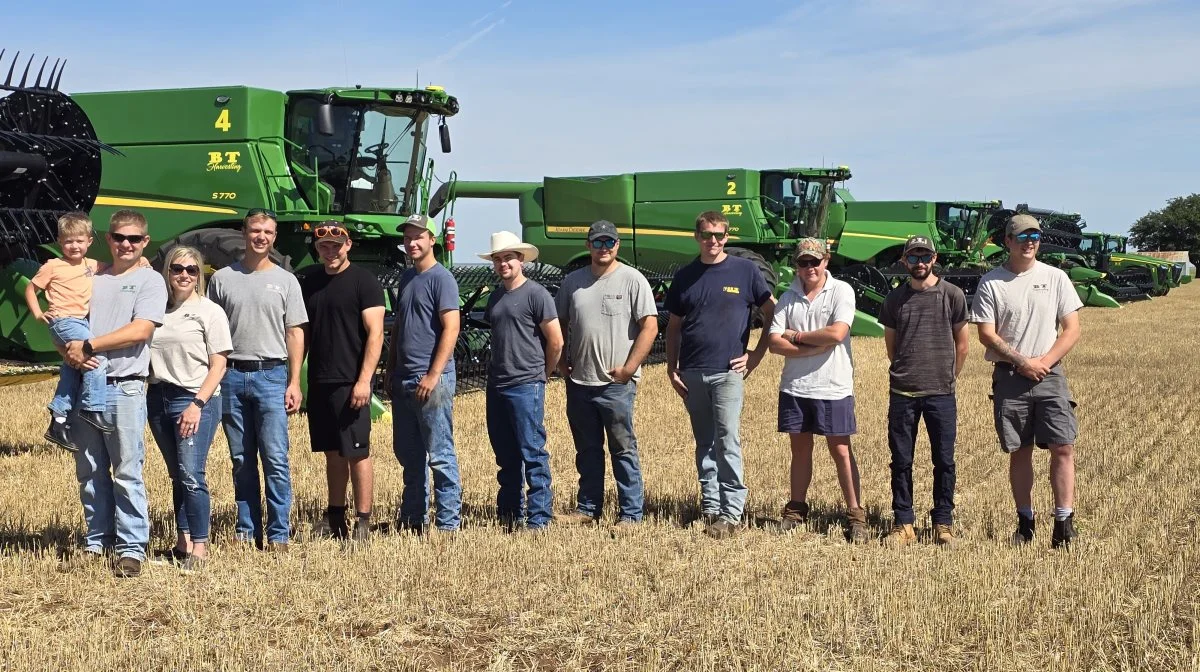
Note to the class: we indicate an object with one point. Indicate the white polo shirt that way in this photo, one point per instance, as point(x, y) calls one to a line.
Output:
point(829, 375)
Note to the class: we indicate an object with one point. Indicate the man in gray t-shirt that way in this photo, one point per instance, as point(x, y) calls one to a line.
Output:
point(262, 384)
point(127, 304)
point(925, 332)
point(526, 343)
point(610, 321)
point(1019, 309)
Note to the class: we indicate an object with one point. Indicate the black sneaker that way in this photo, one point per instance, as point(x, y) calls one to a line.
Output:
point(96, 419)
point(59, 434)
point(323, 529)
point(1024, 533)
point(1064, 532)
point(362, 531)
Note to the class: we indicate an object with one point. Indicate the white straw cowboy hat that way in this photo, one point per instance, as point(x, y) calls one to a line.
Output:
point(506, 241)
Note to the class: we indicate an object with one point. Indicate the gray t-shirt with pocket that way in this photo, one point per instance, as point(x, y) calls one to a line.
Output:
point(261, 305)
point(601, 317)
point(117, 300)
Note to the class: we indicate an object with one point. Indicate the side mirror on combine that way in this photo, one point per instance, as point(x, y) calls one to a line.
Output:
point(798, 187)
point(444, 135)
point(325, 119)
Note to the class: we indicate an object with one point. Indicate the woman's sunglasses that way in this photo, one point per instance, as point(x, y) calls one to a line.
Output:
point(191, 269)
point(133, 238)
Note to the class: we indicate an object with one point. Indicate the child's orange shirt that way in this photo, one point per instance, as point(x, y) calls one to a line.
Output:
point(68, 286)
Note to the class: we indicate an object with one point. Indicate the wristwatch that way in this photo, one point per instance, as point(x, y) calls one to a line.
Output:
point(87, 348)
point(198, 402)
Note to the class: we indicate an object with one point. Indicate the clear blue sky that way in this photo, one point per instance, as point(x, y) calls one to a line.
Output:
point(1081, 105)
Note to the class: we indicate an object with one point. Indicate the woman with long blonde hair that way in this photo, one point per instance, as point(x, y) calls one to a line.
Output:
point(187, 361)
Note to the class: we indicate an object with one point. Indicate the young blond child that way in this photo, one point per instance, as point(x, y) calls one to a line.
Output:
point(67, 283)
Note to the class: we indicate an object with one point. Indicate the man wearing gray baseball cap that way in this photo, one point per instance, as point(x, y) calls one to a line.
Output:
point(1019, 309)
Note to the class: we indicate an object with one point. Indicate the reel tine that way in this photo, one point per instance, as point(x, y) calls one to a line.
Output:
point(8, 79)
point(37, 83)
point(60, 74)
point(25, 75)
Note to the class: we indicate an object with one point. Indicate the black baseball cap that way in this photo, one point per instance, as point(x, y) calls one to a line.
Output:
point(602, 229)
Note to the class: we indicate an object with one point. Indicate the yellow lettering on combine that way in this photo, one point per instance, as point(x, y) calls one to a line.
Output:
point(224, 161)
point(731, 189)
point(734, 209)
point(729, 289)
point(223, 121)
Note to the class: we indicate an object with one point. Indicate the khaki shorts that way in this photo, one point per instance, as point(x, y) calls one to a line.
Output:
point(1029, 412)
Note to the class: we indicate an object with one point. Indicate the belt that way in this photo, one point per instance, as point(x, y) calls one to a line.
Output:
point(255, 364)
point(112, 380)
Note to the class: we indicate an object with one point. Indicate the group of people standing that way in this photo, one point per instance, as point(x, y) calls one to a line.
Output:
point(187, 358)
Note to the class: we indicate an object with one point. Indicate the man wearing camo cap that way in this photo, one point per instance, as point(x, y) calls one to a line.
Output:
point(1019, 308)
point(811, 329)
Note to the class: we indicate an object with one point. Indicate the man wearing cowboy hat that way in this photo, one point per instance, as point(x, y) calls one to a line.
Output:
point(526, 344)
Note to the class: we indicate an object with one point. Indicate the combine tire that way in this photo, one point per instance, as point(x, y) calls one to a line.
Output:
point(220, 247)
point(768, 273)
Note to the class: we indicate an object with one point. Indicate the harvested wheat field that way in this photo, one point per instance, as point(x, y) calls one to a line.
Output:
point(665, 596)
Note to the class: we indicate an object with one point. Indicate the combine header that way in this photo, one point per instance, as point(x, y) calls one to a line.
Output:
point(50, 164)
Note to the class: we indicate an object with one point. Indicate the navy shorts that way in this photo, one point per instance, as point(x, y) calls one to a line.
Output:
point(827, 417)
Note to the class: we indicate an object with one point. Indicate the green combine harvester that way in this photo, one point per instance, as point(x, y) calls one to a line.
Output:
point(1110, 255)
point(769, 211)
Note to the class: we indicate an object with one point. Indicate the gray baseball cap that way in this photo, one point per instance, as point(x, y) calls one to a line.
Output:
point(421, 221)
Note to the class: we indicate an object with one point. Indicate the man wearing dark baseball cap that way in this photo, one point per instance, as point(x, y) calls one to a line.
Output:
point(1019, 309)
point(609, 321)
point(925, 334)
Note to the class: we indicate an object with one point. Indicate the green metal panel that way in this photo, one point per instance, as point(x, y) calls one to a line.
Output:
point(697, 185)
point(22, 337)
point(880, 228)
point(179, 116)
point(573, 203)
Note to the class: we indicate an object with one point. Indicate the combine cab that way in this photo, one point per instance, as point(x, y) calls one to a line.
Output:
point(50, 164)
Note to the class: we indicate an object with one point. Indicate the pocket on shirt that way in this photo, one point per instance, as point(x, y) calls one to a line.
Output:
point(613, 306)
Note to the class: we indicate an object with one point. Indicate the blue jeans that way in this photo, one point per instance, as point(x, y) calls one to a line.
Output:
point(714, 404)
point(517, 431)
point(86, 387)
point(941, 421)
point(594, 412)
point(423, 440)
point(109, 470)
point(185, 458)
point(256, 427)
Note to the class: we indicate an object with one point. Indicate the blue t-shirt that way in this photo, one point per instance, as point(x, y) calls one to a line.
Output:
point(423, 297)
point(715, 302)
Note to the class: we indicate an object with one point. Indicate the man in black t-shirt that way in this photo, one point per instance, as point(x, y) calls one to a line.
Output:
point(710, 302)
point(925, 332)
point(345, 308)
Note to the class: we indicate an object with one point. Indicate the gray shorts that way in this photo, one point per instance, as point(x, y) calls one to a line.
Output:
point(1029, 412)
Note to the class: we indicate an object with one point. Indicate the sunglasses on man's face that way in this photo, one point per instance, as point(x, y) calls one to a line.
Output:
point(713, 235)
point(808, 262)
point(603, 244)
point(1030, 237)
point(914, 259)
point(330, 232)
point(255, 212)
point(133, 238)
point(191, 269)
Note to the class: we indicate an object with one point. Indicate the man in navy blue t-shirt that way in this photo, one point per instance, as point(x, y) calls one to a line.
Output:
point(710, 304)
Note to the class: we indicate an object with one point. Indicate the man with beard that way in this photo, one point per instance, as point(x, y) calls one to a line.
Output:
point(925, 332)
point(609, 321)
point(1019, 308)
point(811, 329)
